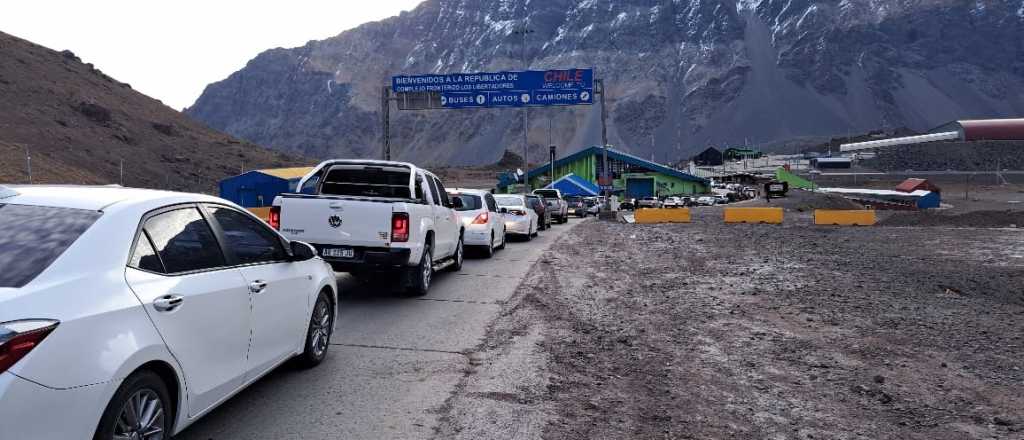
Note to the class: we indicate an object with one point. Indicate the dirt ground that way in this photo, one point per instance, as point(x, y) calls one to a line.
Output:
point(713, 331)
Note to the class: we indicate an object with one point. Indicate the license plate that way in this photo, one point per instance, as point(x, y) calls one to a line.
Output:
point(338, 252)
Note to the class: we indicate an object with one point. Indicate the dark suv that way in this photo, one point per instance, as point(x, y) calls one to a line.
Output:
point(539, 206)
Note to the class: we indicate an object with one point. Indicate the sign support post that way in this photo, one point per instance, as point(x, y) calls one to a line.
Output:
point(605, 179)
point(385, 112)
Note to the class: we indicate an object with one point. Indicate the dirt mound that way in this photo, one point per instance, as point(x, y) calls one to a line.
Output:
point(78, 125)
point(974, 219)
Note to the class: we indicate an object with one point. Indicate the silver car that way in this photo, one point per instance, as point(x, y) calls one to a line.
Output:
point(519, 218)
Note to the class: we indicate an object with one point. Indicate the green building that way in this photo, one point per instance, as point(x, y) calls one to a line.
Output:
point(741, 153)
point(633, 177)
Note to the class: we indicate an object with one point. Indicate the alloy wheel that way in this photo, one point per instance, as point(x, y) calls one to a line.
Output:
point(141, 417)
point(321, 328)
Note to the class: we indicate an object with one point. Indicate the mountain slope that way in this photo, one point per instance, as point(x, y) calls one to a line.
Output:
point(681, 74)
point(78, 125)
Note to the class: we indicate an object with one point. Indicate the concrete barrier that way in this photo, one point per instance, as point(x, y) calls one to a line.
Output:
point(662, 215)
point(845, 217)
point(753, 215)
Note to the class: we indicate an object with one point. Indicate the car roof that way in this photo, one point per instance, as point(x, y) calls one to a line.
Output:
point(93, 198)
point(478, 192)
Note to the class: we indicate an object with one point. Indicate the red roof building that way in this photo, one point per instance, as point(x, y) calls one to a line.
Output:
point(913, 184)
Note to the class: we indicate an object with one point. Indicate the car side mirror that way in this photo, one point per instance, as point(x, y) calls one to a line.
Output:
point(302, 251)
point(457, 203)
point(502, 210)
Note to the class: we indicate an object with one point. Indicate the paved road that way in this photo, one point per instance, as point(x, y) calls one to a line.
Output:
point(392, 363)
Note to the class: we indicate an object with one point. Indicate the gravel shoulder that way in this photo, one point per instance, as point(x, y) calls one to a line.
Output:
point(707, 330)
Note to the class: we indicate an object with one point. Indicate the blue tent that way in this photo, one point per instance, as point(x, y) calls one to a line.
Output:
point(573, 185)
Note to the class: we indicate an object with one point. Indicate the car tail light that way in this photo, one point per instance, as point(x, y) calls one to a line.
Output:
point(275, 217)
point(18, 338)
point(400, 227)
point(517, 212)
point(481, 219)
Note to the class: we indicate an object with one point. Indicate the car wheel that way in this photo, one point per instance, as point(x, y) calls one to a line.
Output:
point(489, 249)
point(529, 233)
point(422, 274)
point(140, 409)
point(504, 239)
point(459, 257)
point(318, 337)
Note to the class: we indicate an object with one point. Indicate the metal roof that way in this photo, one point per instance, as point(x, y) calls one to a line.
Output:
point(575, 181)
point(617, 155)
point(992, 129)
point(287, 173)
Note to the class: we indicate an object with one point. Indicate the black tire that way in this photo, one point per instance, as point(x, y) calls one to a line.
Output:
point(504, 239)
point(140, 389)
point(489, 249)
point(529, 234)
point(421, 275)
point(459, 256)
point(318, 336)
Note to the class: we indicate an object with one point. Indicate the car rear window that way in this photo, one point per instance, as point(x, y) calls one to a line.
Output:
point(33, 237)
point(367, 181)
point(469, 202)
point(509, 200)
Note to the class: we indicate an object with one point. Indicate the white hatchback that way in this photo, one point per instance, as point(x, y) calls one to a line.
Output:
point(484, 227)
point(129, 314)
point(519, 219)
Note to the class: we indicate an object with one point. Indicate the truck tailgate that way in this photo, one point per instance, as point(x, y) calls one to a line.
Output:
point(346, 222)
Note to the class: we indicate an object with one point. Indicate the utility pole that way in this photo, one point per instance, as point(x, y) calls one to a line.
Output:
point(28, 164)
point(526, 115)
point(121, 170)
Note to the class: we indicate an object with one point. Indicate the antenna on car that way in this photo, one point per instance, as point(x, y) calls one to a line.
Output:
point(6, 192)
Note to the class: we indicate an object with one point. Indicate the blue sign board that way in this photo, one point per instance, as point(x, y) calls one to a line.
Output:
point(533, 88)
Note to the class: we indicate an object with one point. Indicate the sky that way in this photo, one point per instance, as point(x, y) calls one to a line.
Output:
point(170, 50)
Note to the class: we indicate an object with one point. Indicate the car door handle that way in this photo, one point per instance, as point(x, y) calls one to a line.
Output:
point(257, 286)
point(168, 303)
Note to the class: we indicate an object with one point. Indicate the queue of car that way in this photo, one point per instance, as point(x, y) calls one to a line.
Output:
point(131, 313)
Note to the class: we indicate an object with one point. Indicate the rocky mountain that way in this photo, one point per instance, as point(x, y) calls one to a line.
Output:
point(79, 126)
point(682, 74)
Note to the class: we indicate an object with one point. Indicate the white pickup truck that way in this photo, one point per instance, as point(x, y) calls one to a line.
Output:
point(375, 218)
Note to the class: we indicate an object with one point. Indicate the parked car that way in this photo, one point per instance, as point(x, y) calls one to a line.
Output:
point(706, 201)
point(369, 217)
point(671, 202)
point(721, 199)
point(687, 201)
point(485, 228)
point(649, 202)
point(594, 205)
point(541, 208)
point(555, 204)
point(627, 204)
point(112, 300)
point(577, 206)
point(520, 219)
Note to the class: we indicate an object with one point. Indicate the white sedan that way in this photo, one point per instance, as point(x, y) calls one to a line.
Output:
point(519, 219)
point(484, 226)
point(129, 314)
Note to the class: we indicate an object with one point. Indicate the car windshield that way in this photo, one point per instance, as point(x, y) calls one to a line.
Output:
point(32, 237)
point(470, 202)
point(546, 193)
point(509, 200)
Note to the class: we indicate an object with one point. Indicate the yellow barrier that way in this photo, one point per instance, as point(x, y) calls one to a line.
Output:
point(662, 215)
point(263, 213)
point(753, 215)
point(850, 217)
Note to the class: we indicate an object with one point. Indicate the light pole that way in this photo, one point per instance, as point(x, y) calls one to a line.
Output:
point(28, 164)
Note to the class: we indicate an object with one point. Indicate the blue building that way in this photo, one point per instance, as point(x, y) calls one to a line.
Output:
point(257, 188)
